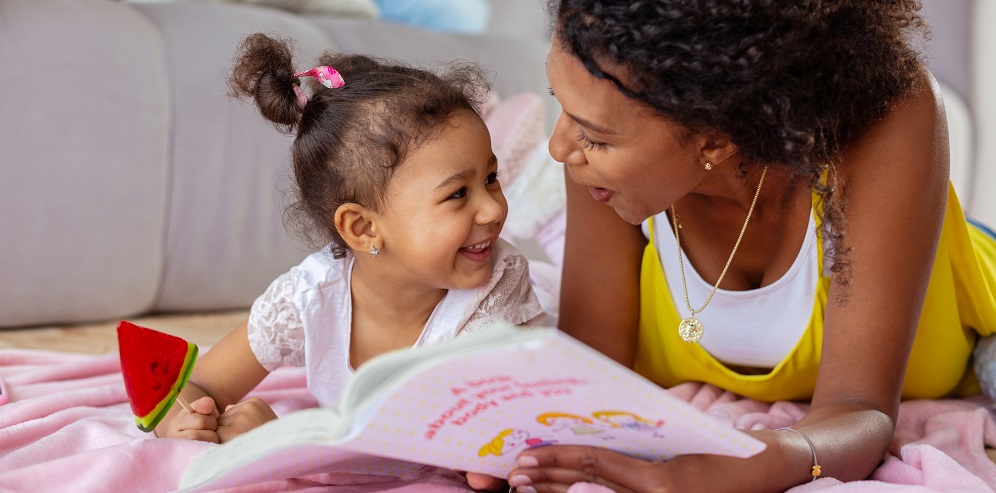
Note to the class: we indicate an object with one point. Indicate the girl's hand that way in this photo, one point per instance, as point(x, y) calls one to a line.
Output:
point(483, 482)
point(202, 424)
point(242, 417)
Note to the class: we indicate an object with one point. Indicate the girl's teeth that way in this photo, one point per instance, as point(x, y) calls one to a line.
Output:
point(479, 246)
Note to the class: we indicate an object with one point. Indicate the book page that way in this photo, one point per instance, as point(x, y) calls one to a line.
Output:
point(308, 441)
point(379, 374)
point(298, 444)
point(476, 410)
point(473, 404)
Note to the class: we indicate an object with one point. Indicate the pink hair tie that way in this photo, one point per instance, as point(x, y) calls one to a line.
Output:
point(302, 98)
point(328, 76)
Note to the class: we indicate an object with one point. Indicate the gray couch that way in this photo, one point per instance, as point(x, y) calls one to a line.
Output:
point(130, 183)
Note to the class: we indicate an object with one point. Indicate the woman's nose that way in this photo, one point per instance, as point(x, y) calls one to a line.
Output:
point(564, 148)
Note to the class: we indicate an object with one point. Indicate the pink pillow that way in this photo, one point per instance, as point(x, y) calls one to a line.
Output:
point(536, 216)
point(516, 126)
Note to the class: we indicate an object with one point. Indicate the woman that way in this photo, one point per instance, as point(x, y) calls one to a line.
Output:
point(788, 163)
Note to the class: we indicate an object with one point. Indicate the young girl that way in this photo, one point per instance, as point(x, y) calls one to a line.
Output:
point(395, 174)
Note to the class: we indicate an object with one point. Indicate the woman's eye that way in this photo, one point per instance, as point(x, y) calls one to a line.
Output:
point(588, 143)
point(491, 179)
point(459, 194)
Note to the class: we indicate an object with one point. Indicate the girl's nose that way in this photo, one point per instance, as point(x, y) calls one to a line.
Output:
point(564, 148)
point(493, 208)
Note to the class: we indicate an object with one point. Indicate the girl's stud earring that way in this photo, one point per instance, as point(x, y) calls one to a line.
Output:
point(708, 165)
point(374, 251)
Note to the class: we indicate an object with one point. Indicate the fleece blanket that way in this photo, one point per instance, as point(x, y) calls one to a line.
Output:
point(68, 427)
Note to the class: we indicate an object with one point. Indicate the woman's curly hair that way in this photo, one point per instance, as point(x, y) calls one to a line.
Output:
point(349, 140)
point(790, 82)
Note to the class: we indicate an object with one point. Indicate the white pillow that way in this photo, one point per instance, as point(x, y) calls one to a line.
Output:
point(355, 8)
point(960, 133)
point(350, 8)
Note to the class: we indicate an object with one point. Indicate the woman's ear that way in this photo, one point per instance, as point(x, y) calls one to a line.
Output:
point(716, 148)
point(357, 227)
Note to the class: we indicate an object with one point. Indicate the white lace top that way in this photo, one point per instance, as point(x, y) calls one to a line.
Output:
point(304, 317)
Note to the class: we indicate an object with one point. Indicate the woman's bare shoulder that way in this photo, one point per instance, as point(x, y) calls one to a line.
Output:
point(910, 139)
point(912, 116)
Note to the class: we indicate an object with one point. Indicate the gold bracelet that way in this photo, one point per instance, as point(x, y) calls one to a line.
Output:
point(816, 465)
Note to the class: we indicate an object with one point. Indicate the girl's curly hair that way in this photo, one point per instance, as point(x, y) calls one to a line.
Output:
point(790, 82)
point(349, 140)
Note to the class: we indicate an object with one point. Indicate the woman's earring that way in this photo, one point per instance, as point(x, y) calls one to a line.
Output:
point(708, 166)
point(374, 251)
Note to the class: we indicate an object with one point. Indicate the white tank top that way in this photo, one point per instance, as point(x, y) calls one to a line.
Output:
point(756, 328)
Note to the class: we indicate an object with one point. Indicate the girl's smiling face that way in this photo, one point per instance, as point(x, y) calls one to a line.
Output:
point(444, 209)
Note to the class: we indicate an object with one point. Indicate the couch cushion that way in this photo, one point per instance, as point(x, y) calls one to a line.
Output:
point(225, 240)
point(513, 63)
point(83, 165)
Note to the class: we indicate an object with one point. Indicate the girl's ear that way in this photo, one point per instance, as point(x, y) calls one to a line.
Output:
point(356, 227)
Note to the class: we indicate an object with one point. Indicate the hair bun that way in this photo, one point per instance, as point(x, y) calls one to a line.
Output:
point(264, 71)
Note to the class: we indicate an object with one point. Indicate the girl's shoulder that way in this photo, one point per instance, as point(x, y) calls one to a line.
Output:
point(321, 268)
point(508, 294)
point(508, 267)
point(318, 271)
point(505, 254)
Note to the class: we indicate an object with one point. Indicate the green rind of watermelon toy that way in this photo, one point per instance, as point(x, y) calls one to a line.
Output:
point(155, 367)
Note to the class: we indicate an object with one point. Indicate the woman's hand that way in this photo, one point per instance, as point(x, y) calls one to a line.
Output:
point(242, 417)
point(201, 424)
point(556, 468)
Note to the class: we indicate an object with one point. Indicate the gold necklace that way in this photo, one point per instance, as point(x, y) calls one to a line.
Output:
point(691, 329)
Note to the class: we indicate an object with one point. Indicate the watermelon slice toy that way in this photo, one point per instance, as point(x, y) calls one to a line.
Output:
point(155, 367)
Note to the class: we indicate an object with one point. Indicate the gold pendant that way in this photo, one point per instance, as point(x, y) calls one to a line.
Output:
point(690, 329)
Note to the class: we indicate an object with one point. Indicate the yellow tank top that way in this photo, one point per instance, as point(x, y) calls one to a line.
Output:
point(960, 306)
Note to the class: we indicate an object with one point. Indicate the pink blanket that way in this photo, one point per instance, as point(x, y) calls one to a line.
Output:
point(68, 427)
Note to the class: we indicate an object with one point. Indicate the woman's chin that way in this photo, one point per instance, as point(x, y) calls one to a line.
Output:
point(630, 216)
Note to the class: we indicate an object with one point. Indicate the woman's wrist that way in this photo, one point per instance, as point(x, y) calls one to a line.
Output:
point(788, 459)
point(816, 469)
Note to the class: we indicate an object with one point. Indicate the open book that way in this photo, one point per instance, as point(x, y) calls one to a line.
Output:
point(472, 404)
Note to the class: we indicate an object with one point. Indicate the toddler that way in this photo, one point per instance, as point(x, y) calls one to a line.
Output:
point(396, 176)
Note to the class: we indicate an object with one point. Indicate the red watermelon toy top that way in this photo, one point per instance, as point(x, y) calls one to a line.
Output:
point(155, 367)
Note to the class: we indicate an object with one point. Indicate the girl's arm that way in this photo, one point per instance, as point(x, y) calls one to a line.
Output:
point(600, 287)
point(894, 180)
point(226, 373)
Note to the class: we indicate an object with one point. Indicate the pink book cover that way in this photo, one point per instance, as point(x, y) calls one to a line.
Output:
point(473, 404)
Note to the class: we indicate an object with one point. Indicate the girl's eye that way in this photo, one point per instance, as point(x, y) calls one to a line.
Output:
point(491, 179)
point(459, 194)
point(588, 143)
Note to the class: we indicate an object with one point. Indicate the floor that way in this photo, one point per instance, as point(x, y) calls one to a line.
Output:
point(98, 338)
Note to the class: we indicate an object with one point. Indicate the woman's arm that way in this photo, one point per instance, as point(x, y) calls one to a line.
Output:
point(600, 286)
point(894, 180)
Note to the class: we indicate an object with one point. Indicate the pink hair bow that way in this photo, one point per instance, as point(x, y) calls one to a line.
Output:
point(328, 76)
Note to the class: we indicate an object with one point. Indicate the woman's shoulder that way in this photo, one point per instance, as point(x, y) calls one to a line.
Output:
point(922, 103)
point(911, 137)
